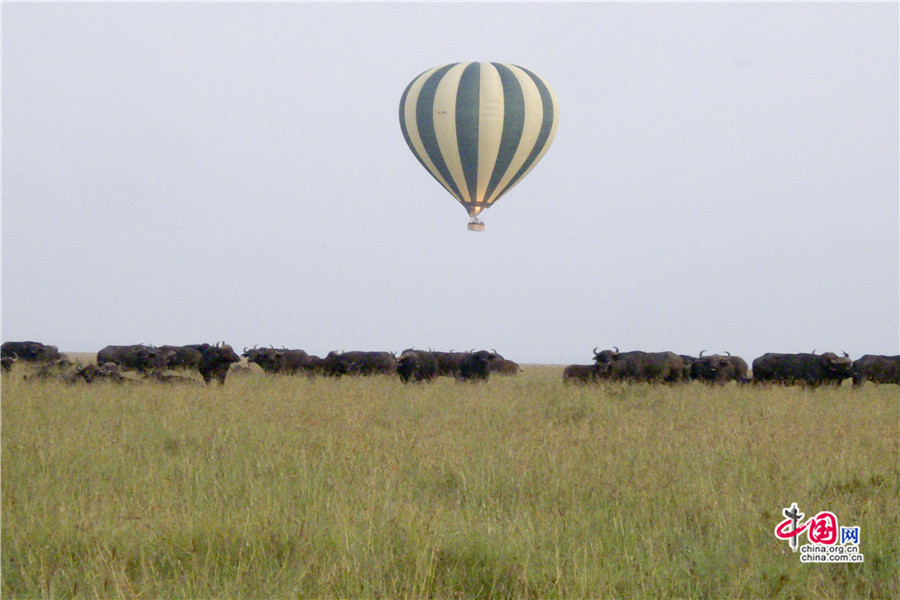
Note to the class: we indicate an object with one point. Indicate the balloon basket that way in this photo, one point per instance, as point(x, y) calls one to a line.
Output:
point(476, 225)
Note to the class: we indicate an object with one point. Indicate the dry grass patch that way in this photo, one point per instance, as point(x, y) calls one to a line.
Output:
point(364, 487)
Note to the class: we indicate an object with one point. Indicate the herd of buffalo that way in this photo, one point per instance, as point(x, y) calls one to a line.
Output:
point(809, 369)
point(215, 361)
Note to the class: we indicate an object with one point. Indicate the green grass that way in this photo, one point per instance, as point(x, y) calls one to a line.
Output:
point(281, 487)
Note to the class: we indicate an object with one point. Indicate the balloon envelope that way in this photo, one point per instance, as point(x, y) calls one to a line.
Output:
point(478, 127)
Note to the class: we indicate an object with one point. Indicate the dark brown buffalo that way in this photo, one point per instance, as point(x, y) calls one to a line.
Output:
point(504, 366)
point(30, 352)
point(283, 361)
point(719, 368)
point(876, 368)
point(476, 366)
point(638, 366)
point(417, 365)
point(315, 365)
point(60, 370)
point(266, 358)
point(335, 364)
point(180, 357)
point(806, 369)
point(688, 363)
point(137, 357)
point(376, 363)
point(580, 374)
point(357, 362)
point(740, 370)
point(216, 361)
point(291, 362)
point(91, 373)
point(710, 369)
point(448, 362)
point(7, 362)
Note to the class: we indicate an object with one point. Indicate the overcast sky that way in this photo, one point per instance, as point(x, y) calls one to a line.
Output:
point(724, 177)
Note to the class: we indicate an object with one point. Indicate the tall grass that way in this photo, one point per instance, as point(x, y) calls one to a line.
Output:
point(365, 487)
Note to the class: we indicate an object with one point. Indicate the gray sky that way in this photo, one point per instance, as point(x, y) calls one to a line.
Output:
point(724, 177)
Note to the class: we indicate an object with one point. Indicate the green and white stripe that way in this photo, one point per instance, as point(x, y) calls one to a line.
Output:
point(478, 127)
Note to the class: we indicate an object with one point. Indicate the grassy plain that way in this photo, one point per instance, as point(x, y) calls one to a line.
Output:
point(286, 487)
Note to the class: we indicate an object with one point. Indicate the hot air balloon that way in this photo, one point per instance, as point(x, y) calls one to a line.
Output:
point(478, 128)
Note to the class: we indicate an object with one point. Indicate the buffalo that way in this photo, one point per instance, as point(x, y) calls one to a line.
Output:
point(8, 361)
point(448, 363)
point(216, 361)
point(266, 358)
point(639, 366)
point(738, 369)
point(476, 365)
point(30, 352)
point(137, 357)
point(291, 362)
point(375, 363)
point(179, 357)
point(60, 370)
point(580, 374)
point(718, 368)
point(91, 373)
point(503, 366)
point(417, 365)
point(284, 361)
point(336, 364)
point(688, 363)
point(812, 370)
point(875, 368)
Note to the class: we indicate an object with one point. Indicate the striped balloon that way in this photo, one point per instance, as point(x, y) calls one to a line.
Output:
point(478, 128)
